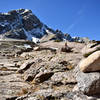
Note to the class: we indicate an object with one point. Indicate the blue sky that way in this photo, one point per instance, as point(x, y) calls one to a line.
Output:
point(76, 17)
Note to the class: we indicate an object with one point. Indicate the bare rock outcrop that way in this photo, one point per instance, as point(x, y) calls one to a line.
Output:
point(90, 48)
point(88, 83)
point(43, 74)
point(26, 65)
point(91, 63)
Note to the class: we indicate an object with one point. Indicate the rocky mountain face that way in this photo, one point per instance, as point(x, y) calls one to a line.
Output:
point(23, 24)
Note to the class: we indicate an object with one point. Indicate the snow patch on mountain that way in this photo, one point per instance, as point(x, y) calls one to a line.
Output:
point(23, 24)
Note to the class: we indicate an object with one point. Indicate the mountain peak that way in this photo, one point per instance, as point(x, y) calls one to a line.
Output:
point(23, 24)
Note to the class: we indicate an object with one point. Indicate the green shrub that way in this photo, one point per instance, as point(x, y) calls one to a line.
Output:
point(98, 48)
point(57, 40)
point(87, 54)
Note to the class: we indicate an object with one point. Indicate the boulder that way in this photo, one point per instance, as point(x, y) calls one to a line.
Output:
point(25, 65)
point(32, 71)
point(91, 63)
point(43, 76)
point(63, 77)
point(88, 83)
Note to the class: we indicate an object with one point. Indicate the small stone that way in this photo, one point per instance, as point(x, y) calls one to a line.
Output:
point(36, 48)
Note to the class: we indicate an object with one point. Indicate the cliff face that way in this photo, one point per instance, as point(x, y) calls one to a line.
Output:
point(21, 24)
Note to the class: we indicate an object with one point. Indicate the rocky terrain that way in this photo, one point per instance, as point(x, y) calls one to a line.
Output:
point(44, 71)
point(55, 67)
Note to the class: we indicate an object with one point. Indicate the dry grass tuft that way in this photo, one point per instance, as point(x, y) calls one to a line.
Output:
point(22, 92)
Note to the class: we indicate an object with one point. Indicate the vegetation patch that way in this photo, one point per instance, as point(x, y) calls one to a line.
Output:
point(22, 92)
point(57, 40)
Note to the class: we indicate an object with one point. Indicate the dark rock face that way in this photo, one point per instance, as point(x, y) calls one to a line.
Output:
point(21, 24)
point(88, 83)
point(20, 32)
point(29, 20)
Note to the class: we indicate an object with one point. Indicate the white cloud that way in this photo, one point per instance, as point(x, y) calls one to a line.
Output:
point(72, 25)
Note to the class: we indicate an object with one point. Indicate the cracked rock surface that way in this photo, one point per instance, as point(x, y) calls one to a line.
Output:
point(28, 74)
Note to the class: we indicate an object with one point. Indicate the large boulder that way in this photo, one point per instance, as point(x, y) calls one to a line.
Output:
point(91, 63)
point(88, 83)
point(63, 78)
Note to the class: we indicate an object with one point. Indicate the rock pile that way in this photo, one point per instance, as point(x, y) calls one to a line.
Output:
point(38, 74)
point(88, 74)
